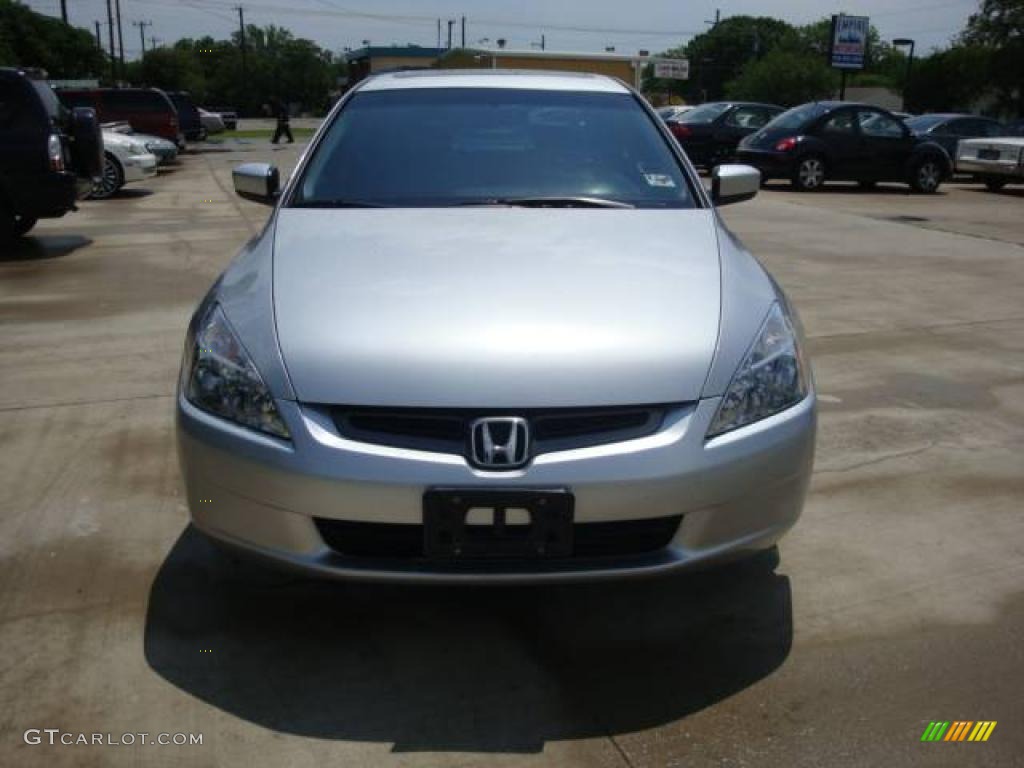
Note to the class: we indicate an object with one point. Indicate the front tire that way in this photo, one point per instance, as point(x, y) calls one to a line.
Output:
point(926, 177)
point(809, 174)
point(111, 179)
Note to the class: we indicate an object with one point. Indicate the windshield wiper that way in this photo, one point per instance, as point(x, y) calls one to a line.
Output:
point(337, 202)
point(552, 202)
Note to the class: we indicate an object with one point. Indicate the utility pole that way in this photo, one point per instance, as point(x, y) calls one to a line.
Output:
point(718, 18)
point(463, 31)
point(142, 32)
point(451, 23)
point(110, 36)
point(543, 42)
point(99, 39)
point(241, 39)
point(154, 41)
point(64, 11)
point(241, 42)
point(438, 33)
point(120, 38)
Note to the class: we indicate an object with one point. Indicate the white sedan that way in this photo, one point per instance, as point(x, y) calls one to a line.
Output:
point(996, 161)
point(125, 159)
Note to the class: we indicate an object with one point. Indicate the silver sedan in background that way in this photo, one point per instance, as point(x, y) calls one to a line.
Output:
point(495, 331)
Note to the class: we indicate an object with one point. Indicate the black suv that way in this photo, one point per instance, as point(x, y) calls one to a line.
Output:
point(49, 156)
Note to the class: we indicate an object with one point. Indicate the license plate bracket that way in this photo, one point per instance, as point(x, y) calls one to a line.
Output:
point(448, 534)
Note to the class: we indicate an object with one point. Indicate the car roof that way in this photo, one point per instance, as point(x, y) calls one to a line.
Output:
point(532, 79)
point(742, 104)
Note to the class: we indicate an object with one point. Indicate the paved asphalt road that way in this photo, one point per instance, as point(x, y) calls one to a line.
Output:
point(899, 598)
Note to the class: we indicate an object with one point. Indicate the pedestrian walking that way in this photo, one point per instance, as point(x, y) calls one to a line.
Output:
point(280, 109)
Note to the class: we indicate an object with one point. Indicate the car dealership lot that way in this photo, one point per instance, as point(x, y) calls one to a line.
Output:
point(897, 600)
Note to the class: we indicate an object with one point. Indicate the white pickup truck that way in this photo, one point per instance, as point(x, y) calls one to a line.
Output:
point(996, 161)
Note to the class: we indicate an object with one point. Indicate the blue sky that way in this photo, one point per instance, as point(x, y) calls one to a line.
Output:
point(573, 25)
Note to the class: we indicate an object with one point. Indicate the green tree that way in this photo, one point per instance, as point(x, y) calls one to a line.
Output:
point(784, 77)
point(30, 39)
point(172, 69)
point(951, 80)
point(718, 55)
point(997, 22)
point(998, 30)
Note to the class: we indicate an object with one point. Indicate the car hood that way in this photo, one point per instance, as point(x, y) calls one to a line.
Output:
point(496, 307)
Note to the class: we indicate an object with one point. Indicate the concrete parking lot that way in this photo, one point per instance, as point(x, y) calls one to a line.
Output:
point(897, 600)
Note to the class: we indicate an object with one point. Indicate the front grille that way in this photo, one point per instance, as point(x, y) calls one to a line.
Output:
point(447, 430)
point(590, 540)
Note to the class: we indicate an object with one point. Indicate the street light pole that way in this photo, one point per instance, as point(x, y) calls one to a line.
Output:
point(901, 41)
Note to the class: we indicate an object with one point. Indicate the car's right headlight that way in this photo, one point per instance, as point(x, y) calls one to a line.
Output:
point(772, 377)
point(218, 376)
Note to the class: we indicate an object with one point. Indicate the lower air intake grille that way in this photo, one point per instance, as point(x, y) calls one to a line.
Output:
point(404, 541)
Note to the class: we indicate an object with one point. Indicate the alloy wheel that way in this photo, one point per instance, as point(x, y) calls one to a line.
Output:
point(928, 176)
point(811, 173)
point(110, 180)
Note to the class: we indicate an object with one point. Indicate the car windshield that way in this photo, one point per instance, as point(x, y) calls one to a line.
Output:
point(794, 119)
point(426, 147)
point(705, 113)
point(924, 123)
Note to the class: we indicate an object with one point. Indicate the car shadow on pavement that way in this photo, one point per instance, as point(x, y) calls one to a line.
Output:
point(38, 247)
point(496, 669)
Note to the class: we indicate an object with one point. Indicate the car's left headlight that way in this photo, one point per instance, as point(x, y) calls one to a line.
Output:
point(138, 148)
point(218, 376)
point(772, 377)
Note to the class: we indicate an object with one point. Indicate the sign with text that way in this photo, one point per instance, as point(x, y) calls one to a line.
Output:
point(849, 46)
point(672, 69)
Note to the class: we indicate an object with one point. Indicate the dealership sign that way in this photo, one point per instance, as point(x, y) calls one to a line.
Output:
point(849, 46)
point(672, 69)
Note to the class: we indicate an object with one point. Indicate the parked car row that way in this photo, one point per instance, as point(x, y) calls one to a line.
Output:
point(58, 147)
point(835, 140)
point(171, 115)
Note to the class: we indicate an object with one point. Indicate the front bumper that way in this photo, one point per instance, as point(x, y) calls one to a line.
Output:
point(737, 493)
point(139, 167)
point(1008, 169)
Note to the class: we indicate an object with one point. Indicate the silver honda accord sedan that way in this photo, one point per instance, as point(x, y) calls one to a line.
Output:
point(495, 331)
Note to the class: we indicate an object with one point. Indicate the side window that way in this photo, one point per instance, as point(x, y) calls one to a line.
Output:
point(879, 125)
point(840, 123)
point(16, 110)
point(154, 102)
point(72, 100)
point(746, 117)
point(959, 127)
point(117, 101)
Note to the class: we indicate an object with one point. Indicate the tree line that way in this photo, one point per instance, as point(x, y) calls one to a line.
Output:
point(766, 59)
point(741, 57)
point(275, 65)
